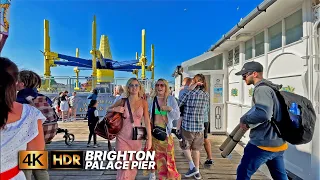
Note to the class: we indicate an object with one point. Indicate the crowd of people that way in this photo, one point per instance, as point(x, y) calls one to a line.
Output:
point(185, 117)
point(66, 107)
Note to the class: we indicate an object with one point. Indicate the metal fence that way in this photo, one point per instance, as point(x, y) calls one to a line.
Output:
point(82, 85)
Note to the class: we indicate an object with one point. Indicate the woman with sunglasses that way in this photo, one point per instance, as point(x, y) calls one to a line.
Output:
point(139, 109)
point(164, 110)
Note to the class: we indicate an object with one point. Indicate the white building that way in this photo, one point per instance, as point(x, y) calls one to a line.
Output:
point(283, 36)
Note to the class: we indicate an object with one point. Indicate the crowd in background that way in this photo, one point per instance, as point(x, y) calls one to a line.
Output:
point(23, 120)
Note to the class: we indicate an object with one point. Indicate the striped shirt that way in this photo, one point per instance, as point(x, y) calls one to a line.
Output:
point(195, 103)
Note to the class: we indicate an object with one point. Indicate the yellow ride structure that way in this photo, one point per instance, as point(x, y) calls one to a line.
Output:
point(104, 52)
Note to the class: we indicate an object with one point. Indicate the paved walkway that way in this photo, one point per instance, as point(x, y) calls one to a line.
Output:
point(223, 168)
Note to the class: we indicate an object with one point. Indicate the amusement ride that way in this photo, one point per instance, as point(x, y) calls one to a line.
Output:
point(101, 64)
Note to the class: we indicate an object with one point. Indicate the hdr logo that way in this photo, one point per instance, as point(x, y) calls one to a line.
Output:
point(66, 159)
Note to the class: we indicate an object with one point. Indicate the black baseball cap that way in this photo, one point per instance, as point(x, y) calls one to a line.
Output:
point(250, 67)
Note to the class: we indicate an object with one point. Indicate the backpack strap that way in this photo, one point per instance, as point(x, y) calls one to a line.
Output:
point(272, 120)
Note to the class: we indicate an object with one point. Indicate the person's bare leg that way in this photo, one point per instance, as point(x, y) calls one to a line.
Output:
point(196, 158)
point(62, 115)
point(187, 154)
point(179, 124)
point(207, 147)
point(75, 113)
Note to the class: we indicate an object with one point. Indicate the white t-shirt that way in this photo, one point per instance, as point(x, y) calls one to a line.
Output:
point(96, 113)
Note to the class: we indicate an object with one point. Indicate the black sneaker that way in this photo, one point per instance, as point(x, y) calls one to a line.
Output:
point(177, 134)
point(197, 176)
point(192, 172)
point(208, 162)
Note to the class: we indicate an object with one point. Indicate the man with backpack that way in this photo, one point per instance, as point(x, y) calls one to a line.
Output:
point(265, 146)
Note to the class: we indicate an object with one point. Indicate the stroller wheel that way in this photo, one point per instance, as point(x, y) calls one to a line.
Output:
point(69, 138)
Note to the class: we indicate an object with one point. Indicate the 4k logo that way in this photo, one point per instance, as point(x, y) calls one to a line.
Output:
point(33, 160)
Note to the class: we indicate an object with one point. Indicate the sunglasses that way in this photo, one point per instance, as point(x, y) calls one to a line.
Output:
point(160, 85)
point(134, 85)
point(244, 76)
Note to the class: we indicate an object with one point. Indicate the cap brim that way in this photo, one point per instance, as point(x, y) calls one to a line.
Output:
point(240, 73)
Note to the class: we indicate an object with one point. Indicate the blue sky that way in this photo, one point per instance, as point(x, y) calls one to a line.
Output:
point(180, 30)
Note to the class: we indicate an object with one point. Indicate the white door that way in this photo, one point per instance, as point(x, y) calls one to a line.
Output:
point(216, 104)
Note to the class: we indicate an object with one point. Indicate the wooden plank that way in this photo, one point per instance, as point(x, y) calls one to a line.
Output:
point(223, 168)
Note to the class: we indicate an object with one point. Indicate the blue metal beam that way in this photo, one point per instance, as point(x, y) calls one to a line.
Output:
point(125, 70)
point(75, 59)
point(64, 63)
point(127, 67)
point(84, 69)
point(131, 62)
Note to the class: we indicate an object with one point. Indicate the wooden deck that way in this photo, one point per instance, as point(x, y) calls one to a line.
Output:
point(223, 168)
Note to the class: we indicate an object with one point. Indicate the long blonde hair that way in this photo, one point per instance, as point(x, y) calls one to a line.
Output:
point(166, 84)
point(127, 92)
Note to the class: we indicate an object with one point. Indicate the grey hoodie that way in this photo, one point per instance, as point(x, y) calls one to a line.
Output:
point(265, 105)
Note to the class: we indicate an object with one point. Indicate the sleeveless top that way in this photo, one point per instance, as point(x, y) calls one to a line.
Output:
point(124, 140)
point(15, 137)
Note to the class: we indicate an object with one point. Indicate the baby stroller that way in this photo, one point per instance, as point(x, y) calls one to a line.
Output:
point(50, 126)
point(68, 137)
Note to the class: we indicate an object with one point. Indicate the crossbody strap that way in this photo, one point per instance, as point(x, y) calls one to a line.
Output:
point(155, 102)
point(130, 112)
point(153, 111)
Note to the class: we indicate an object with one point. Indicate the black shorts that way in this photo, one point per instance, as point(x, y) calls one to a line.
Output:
point(206, 128)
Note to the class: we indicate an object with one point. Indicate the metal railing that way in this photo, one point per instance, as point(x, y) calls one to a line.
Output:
point(82, 85)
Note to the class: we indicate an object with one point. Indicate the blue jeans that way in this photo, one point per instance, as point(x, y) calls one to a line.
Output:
point(254, 157)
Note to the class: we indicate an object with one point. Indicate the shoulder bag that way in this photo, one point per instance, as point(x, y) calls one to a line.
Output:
point(158, 132)
point(111, 125)
point(138, 133)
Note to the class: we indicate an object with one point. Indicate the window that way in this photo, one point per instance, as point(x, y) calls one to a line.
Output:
point(214, 63)
point(230, 58)
point(259, 44)
point(236, 55)
point(248, 49)
point(275, 36)
point(294, 30)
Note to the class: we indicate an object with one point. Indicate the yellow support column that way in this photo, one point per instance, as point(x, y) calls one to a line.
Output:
point(152, 62)
point(136, 71)
point(143, 60)
point(93, 52)
point(46, 48)
point(77, 71)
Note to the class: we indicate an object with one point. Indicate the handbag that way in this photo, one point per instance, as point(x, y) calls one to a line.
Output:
point(110, 126)
point(158, 132)
point(138, 133)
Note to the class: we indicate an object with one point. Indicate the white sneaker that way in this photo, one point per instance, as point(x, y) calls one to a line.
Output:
point(152, 176)
point(88, 145)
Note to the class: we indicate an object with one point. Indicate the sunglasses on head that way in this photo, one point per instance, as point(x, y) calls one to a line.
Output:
point(159, 85)
point(134, 85)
